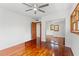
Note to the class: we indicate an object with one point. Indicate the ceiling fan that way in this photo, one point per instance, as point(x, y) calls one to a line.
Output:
point(36, 8)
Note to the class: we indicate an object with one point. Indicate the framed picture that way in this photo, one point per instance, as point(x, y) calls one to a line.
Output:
point(51, 27)
point(56, 27)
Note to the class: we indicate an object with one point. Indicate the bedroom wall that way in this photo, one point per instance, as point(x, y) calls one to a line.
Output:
point(14, 28)
point(60, 33)
point(72, 40)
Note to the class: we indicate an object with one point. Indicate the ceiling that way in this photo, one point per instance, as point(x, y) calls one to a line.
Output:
point(51, 9)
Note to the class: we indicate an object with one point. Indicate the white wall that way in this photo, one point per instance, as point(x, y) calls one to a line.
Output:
point(14, 28)
point(60, 33)
point(72, 40)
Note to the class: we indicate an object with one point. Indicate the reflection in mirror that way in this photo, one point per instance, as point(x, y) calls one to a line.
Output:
point(74, 27)
point(78, 25)
point(78, 20)
point(73, 19)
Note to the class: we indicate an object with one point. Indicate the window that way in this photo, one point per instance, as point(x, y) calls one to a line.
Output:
point(75, 20)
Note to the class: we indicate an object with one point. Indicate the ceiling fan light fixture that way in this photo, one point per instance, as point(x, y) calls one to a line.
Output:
point(35, 9)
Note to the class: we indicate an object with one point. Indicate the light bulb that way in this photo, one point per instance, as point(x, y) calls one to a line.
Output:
point(35, 9)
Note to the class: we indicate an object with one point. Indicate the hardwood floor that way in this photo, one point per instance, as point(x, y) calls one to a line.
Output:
point(30, 48)
point(68, 52)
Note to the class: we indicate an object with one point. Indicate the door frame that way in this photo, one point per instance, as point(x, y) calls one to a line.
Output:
point(40, 30)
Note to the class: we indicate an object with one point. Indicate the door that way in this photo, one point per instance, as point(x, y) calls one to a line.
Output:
point(33, 30)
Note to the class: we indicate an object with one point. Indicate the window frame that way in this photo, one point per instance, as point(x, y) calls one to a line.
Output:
point(75, 20)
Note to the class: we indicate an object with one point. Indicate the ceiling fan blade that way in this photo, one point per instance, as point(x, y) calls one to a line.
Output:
point(27, 5)
point(29, 10)
point(45, 5)
point(41, 10)
point(34, 12)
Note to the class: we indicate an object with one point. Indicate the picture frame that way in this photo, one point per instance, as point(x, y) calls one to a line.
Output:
point(56, 27)
point(52, 27)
